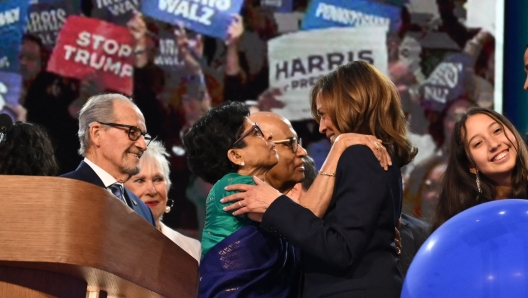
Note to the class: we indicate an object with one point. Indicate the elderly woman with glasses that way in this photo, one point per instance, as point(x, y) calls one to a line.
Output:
point(152, 186)
point(225, 147)
point(348, 246)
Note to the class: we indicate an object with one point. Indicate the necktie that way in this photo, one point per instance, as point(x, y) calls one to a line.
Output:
point(117, 190)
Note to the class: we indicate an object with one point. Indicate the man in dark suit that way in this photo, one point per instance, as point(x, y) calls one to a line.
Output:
point(413, 233)
point(113, 138)
point(348, 252)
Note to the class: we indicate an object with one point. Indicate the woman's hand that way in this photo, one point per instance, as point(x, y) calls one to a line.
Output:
point(252, 199)
point(182, 41)
point(189, 49)
point(348, 139)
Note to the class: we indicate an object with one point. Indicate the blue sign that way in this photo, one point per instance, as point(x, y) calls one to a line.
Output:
point(448, 81)
point(10, 87)
point(211, 17)
point(13, 16)
point(347, 13)
point(278, 5)
point(117, 12)
point(46, 18)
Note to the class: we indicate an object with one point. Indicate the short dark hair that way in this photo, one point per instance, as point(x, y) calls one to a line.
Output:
point(33, 38)
point(44, 53)
point(27, 150)
point(211, 136)
point(309, 173)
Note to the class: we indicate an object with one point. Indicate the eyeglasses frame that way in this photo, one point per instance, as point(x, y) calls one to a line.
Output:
point(247, 133)
point(146, 135)
point(289, 142)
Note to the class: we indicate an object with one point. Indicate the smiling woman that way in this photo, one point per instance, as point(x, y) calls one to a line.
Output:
point(225, 147)
point(152, 186)
point(487, 161)
point(347, 240)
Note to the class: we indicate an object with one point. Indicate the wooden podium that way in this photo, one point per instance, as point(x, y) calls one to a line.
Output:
point(61, 237)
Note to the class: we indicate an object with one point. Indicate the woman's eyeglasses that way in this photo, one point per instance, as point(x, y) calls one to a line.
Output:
point(292, 142)
point(133, 131)
point(247, 133)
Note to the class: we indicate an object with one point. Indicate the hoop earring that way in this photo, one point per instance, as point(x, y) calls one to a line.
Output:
point(168, 208)
point(478, 182)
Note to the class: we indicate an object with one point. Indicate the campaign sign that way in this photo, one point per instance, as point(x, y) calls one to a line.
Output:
point(10, 87)
point(87, 46)
point(357, 13)
point(46, 18)
point(167, 57)
point(208, 17)
point(297, 60)
point(118, 12)
point(13, 17)
point(448, 81)
point(278, 5)
point(481, 18)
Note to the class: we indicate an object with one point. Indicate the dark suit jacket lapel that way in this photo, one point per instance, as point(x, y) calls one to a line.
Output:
point(130, 199)
point(86, 173)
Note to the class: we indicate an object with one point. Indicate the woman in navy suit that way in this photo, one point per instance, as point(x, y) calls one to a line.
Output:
point(348, 242)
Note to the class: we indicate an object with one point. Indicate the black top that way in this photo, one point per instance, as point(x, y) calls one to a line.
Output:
point(350, 251)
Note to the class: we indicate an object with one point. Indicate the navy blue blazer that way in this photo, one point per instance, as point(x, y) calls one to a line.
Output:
point(413, 234)
point(350, 251)
point(85, 173)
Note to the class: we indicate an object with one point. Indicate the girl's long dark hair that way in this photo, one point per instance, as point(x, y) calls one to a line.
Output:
point(459, 188)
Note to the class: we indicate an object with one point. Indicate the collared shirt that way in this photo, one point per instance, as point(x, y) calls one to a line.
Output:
point(102, 174)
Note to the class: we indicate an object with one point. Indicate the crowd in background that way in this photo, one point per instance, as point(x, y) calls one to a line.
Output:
point(179, 74)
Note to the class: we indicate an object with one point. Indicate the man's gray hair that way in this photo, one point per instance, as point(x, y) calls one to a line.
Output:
point(97, 108)
point(157, 156)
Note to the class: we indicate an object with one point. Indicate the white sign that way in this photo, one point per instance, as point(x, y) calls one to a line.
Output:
point(481, 14)
point(298, 60)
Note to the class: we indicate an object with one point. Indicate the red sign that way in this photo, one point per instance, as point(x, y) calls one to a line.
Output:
point(86, 45)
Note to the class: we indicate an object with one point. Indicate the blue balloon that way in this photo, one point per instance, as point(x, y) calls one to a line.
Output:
point(481, 252)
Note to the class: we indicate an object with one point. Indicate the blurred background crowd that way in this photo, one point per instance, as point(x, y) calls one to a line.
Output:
point(439, 62)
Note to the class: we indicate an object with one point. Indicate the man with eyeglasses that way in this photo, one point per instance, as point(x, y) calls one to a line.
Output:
point(112, 135)
point(290, 168)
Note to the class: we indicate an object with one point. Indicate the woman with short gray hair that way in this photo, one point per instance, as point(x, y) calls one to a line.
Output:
point(152, 186)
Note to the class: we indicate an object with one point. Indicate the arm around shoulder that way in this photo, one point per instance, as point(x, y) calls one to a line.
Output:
point(358, 195)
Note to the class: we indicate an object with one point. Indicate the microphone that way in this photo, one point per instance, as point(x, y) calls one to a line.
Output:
point(5, 125)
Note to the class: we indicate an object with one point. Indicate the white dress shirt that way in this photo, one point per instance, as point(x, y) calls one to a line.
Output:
point(188, 244)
